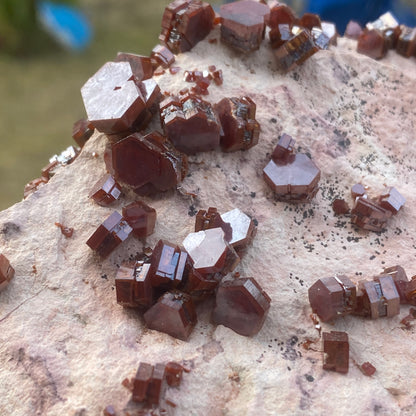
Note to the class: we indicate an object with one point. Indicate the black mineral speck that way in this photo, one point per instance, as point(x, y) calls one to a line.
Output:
point(192, 211)
point(253, 194)
point(309, 378)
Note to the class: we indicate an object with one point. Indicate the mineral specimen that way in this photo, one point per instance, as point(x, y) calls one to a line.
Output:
point(310, 20)
point(173, 314)
point(336, 351)
point(406, 43)
point(82, 130)
point(242, 305)
point(140, 65)
point(332, 297)
point(391, 200)
point(147, 164)
point(340, 206)
point(357, 190)
point(242, 226)
point(185, 23)
point(280, 13)
point(353, 30)
point(243, 24)
point(140, 217)
point(368, 369)
point(212, 219)
point(111, 233)
point(154, 389)
point(162, 56)
point(6, 272)
point(279, 35)
point(173, 373)
point(284, 148)
point(372, 43)
point(141, 382)
point(105, 191)
point(369, 215)
point(190, 123)
point(240, 129)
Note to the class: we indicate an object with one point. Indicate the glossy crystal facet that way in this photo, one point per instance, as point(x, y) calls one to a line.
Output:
point(141, 218)
point(336, 351)
point(105, 191)
point(241, 305)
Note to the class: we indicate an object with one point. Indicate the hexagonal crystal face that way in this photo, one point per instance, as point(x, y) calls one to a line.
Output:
point(242, 305)
point(295, 180)
point(112, 99)
point(242, 227)
point(207, 249)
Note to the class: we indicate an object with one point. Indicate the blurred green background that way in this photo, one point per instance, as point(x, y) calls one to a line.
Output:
point(40, 89)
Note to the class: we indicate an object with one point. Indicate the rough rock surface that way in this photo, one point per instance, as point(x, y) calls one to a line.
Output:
point(65, 344)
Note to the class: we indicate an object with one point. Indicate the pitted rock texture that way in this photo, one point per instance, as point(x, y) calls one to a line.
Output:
point(65, 344)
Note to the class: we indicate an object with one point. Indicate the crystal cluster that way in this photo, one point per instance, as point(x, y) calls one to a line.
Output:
point(138, 218)
point(167, 286)
point(105, 191)
point(381, 35)
point(6, 272)
point(293, 177)
point(371, 213)
point(336, 296)
point(185, 23)
point(202, 79)
point(193, 125)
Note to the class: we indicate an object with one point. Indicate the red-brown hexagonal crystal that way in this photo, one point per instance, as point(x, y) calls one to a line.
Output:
point(185, 23)
point(140, 217)
point(141, 65)
point(173, 314)
point(369, 215)
point(6, 272)
point(168, 263)
point(242, 305)
point(388, 25)
point(243, 24)
point(310, 20)
point(279, 35)
point(368, 369)
point(212, 219)
point(295, 51)
point(336, 351)
point(133, 286)
point(173, 373)
point(210, 252)
point(190, 123)
point(340, 206)
point(391, 200)
point(240, 129)
point(111, 233)
point(141, 382)
point(372, 44)
point(105, 191)
point(82, 130)
point(280, 13)
point(400, 279)
point(155, 385)
point(146, 163)
point(199, 285)
point(353, 30)
point(162, 56)
point(284, 148)
point(358, 190)
point(332, 297)
point(295, 180)
point(242, 226)
point(406, 43)
point(112, 98)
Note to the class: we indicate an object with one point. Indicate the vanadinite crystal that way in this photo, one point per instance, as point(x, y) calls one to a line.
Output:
point(147, 164)
point(293, 179)
point(332, 297)
point(369, 215)
point(173, 314)
point(141, 65)
point(372, 44)
point(173, 373)
point(353, 30)
point(368, 369)
point(357, 190)
point(295, 51)
point(162, 56)
point(190, 123)
point(400, 279)
point(141, 218)
point(340, 206)
point(185, 23)
point(279, 35)
point(141, 382)
point(242, 305)
point(210, 252)
point(242, 226)
point(82, 130)
point(133, 286)
point(105, 191)
point(280, 13)
point(168, 263)
point(388, 25)
point(391, 200)
point(240, 129)
point(116, 101)
point(310, 20)
point(406, 43)
point(212, 219)
point(336, 351)
point(6, 272)
point(111, 233)
point(155, 385)
point(243, 24)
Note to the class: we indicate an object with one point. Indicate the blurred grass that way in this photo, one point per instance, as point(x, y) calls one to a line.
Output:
point(40, 92)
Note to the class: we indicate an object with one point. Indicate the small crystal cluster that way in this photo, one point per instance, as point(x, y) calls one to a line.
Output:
point(194, 125)
point(138, 218)
point(243, 25)
point(6, 272)
point(381, 35)
point(336, 296)
point(293, 177)
point(175, 277)
point(202, 79)
point(371, 213)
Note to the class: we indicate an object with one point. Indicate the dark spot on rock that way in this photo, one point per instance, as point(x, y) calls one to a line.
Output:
point(256, 223)
point(192, 211)
point(273, 120)
point(9, 229)
point(309, 378)
point(104, 276)
point(253, 194)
